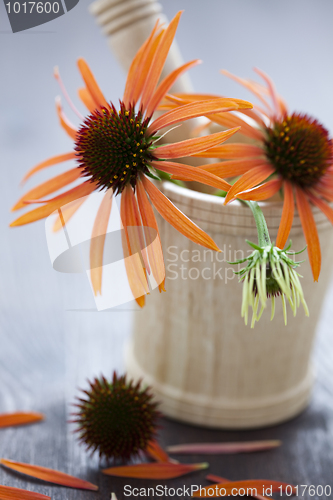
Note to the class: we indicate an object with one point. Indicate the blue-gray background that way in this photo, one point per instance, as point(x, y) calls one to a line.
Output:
point(292, 40)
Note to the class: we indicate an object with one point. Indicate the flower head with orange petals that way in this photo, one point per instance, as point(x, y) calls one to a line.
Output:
point(288, 151)
point(117, 151)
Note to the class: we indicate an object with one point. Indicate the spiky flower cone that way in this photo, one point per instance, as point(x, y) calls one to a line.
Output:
point(117, 418)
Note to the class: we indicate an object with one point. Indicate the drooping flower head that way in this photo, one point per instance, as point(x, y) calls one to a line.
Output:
point(269, 273)
point(291, 152)
point(117, 150)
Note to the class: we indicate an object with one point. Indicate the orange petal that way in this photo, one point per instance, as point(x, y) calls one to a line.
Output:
point(253, 113)
point(250, 86)
point(229, 488)
point(50, 475)
point(67, 213)
point(9, 493)
point(219, 479)
point(19, 418)
point(97, 241)
point(193, 146)
point(179, 97)
point(140, 301)
point(145, 66)
point(231, 151)
point(49, 186)
point(46, 210)
point(134, 227)
point(156, 452)
point(136, 277)
point(216, 479)
point(154, 248)
point(64, 122)
point(134, 266)
point(262, 192)
point(60, 197)
point(166, 84)
point(91, 84)
point(158, 61)
point(65, 93)
point(325, 192)
point(159, 470)
point(231, 168)
point(271, 89)
point(183, 99)
point(249, 180)
point(132, 74)
point(191, 110)
point(139, 233)
point(191, 173)
point(86, 98)
point(140, 66)
point(310, 231)
point(287, 215)
point(230, 120)
point(324, 207)
point(176, 218)
point(48, 163)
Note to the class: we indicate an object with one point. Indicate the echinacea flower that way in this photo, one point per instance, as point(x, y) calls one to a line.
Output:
point(117, 151)
point(269, 273)
point(290, 151)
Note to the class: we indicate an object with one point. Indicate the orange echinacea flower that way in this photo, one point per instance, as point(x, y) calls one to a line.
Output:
point(290, 151)
point(117, 151)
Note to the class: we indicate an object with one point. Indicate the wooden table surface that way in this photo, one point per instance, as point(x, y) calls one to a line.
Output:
point(47, 354)
point(48, 348)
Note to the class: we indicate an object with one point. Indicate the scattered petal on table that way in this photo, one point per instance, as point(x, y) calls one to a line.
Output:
point(224, 448)
point(159, 470)
point(19, 418)
point(9, 493)
point(228, 489)
point(219, 479)
point(50, 475)
point(157, 453)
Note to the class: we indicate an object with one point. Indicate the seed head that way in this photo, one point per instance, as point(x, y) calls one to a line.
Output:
point(299, 148)
point(113, 147)
point(116, 418)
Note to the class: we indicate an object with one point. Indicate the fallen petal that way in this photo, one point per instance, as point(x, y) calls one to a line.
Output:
point(50, 475)
point(228, 489)
point(159, 470)
point(224, 448)
point(19, 418)
point(219, 479)
point(155, 451)
point(9, 493)
point(216, 479)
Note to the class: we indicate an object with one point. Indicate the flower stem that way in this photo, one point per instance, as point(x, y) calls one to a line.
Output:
point(263, 234)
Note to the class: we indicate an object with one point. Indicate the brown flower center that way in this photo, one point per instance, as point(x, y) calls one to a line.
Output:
point(299, 148)
point(112, 147)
